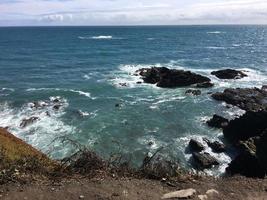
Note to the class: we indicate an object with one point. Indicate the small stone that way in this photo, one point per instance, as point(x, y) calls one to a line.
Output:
point(181, 194)
point(212, 193)
point(202, 197)
point(81, 197)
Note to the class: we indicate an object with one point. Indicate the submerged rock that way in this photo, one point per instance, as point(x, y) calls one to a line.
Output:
point(195, 146)
point(207, 84)
point(218, 122)
point(249, 99)
point(250, 124)
point(170, 78)
point(204, 160)
point(229, 74)
point(216, 146)
point(193, 92)
point(26, 122)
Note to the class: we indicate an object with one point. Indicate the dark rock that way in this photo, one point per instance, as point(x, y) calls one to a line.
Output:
point(170, 78)
point(264, 87)
point(205, 85)
point(195, 146)
point(218, 122)
point(252, 161)
point(229, 74)
point(123, 84)
point(56, 107)
point(216, 146)
point(249, 99)
point(193, 92)
point(139, 82)
point(250, 124)
point(117, 105)
point(29, 121)
point(204, 160)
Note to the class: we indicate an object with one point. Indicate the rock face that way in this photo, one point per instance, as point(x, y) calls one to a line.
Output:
point(195, 146)
point(193, 92)
point(216, 146)
point(251, 124)
point(249, 99)
point(252, 161)
point(204, 160)
point(229, 74)
point(170, 78)
point(218, 122)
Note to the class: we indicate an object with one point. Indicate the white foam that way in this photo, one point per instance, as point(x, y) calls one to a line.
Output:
point(82, 93)
point(43, 131)
point(101, 37)
point(216, 47)
point(214, 32)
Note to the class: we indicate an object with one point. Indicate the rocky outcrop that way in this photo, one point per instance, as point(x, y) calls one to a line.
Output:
point(26, 122)
point(229, 74)
point(216, 146)
point(193, 92)
point(249, 125)
point(204, 160)
point(218, 122)
point(205, 85)
point(170, 78)
point(195, 146)
point(249, 99)
point(252, 161)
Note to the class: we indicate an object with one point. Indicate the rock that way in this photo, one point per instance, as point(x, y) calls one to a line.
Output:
point(29, 121)
point(81, 197)
point(56, 107)
point(216, 146)
point(193, 92)
point(139, 82)
point(252, 161)
point(117, 105)
point(212, 193)
point(250, 124)
point(123, 84)
point(249, 99)
point(264, 88)
point(202, 197)
point(204, 160)
point(170, 78)
point(205, 85)
point(229, 74)
point(195, 146)
point(181, 194)
point(218, 122)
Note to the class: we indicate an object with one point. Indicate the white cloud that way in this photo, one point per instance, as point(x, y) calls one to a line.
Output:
point(112, 12)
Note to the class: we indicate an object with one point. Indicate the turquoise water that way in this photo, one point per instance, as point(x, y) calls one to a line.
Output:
point(84, 67)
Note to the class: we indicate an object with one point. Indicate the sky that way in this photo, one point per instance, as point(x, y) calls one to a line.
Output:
point(135, 12)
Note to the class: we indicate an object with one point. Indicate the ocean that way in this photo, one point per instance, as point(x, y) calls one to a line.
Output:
point(89, 71)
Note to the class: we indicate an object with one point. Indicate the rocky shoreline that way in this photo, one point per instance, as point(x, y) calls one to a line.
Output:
point(247, 133)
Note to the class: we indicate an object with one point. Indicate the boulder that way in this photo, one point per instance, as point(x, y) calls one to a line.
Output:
point(170, 78)
point(249, 99)
point(216, 146)
point(229, 74)
point(250, 124)
point(195, 146)
point(26, 122)
point(193, 92)
point(204, 160)
point(218, 122)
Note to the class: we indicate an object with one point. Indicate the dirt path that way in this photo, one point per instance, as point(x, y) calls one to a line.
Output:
point(132, 189)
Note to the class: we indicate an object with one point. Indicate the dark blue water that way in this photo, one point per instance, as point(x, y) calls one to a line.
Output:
point(84, 67)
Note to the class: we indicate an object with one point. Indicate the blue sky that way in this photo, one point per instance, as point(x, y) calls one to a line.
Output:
point(137, 12)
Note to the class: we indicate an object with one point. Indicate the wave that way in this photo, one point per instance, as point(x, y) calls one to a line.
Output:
point(216, 48)
point(42, 132)
point(6, 91)
point(99, 37)
point(214, 32)
point(82, 93)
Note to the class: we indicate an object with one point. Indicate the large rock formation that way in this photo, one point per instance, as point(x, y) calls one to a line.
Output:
point(204, 160)
point(170, 78)
point(229, 74)
point(249, 125)
point(249, 99)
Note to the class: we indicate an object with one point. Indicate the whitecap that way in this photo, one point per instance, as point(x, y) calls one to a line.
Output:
point(101, 37)
point(214, 32)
